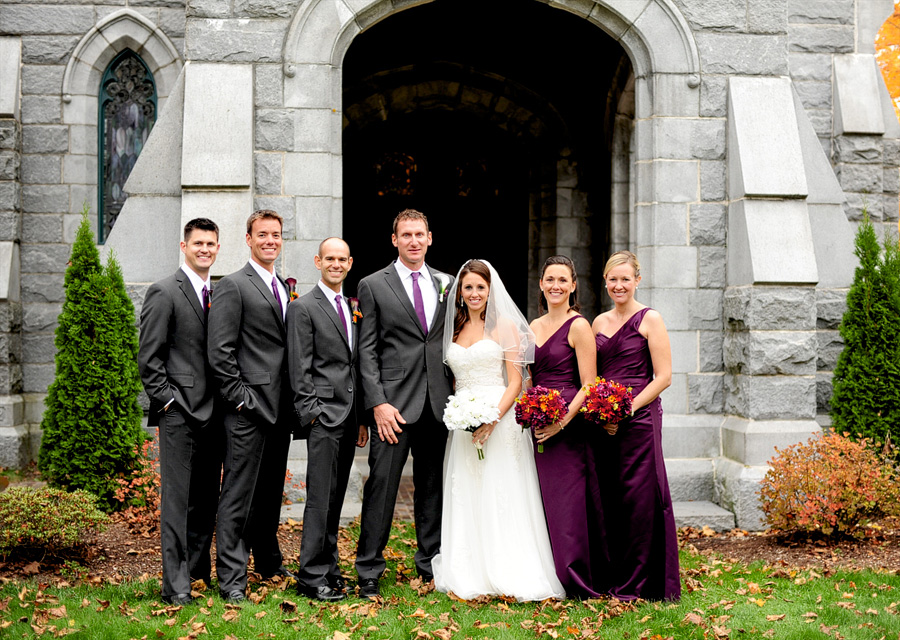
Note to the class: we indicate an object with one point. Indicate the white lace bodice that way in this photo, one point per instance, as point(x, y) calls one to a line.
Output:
point(480, 365)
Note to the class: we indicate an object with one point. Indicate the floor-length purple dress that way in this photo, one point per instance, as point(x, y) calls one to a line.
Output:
point(568, 479)
point(635, 491)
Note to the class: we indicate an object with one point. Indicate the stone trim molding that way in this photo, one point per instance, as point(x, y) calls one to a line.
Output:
point(321, 31)
point(10, 77)
point(118, 31)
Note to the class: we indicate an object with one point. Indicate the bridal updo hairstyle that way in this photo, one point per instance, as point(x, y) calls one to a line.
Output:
point(462, 314)
point(573, 297)
point(622, 257)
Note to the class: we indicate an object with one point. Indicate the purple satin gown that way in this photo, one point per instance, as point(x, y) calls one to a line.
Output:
point(635, 491)
point(568, 479)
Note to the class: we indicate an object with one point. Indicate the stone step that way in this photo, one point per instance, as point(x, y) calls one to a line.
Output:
point(349, 512)
point(701, 514)
point(690, 479)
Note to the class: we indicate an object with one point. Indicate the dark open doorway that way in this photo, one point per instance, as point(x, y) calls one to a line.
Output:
point(466, 176)
point(493, 119)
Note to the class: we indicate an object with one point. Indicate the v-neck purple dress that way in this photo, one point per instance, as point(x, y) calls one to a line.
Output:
point(634, 488)
point(568, 479)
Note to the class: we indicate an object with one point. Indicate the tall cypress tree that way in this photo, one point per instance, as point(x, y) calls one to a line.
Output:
point(866, 399)
point(92, 421)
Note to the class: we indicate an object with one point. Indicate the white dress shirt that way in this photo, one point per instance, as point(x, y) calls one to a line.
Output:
point(197, 282)
point(267, 278)
point(348, 317)
point(426, 286)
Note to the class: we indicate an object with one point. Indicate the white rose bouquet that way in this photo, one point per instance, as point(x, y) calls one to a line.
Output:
point(468, 410)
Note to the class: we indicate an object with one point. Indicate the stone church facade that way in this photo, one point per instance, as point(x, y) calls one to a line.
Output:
point(732, 144)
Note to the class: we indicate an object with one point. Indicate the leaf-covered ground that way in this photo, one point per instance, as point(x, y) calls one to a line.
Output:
point(117, 596)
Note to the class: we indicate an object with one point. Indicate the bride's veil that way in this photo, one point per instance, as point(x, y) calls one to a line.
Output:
point(503, 322)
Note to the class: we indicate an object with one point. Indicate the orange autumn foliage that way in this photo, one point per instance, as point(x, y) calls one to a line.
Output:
point(887, 52)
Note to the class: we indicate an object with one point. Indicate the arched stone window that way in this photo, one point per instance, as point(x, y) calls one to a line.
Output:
point(128, 108)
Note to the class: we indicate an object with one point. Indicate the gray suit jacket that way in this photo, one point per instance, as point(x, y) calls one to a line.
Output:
point(247, 343)
point(172, 354)
point(321, 364)
point(398, 363)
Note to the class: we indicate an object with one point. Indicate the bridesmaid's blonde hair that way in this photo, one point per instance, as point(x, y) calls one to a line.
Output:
point(622, 257)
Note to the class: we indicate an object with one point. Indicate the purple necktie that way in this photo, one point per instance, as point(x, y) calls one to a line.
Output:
point(418, 303)
point(205, 294)
point(340, 309)
point(277, 296)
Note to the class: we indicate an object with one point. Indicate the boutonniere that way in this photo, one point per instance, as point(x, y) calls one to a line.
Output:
point(354, 309)
point(443, 283)
point(292, 288)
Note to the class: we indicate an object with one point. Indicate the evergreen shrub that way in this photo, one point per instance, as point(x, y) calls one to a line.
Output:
point(92, 423)
point(866, 398)
point(47, 520)
point(830, 486)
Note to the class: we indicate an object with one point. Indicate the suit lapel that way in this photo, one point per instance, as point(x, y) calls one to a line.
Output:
point(438, 320)
point(393, 280)
point(331, 312)
point(188, 290)
point(266, 292)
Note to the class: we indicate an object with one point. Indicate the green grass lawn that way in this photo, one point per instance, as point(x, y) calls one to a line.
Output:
point(721, 600)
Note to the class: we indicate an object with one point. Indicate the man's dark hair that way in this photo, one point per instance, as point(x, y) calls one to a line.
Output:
point(202, 224)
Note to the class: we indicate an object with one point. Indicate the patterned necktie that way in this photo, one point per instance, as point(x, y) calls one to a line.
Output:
point(277, 296)
point(205, 294)
point(340, 310)
point(418, 303)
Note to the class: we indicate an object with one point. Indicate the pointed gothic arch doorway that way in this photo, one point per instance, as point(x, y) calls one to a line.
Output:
point(498, 126)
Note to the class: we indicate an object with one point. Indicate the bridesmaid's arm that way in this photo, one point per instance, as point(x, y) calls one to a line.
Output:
point(654, 329)
point(581, 338)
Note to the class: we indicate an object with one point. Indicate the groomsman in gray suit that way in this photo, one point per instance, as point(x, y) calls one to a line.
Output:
point(322, 361)
point(406, 385)
point(177, 377)
point(247, 352)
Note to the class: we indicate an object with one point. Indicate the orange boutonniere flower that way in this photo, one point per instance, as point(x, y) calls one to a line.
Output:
point(354, 309)
point(292, 288)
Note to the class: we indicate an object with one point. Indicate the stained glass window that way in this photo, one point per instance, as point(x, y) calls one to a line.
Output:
point(127, 114)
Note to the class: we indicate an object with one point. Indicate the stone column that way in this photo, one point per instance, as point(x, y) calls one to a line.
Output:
point(770, 301)
point(15, 443)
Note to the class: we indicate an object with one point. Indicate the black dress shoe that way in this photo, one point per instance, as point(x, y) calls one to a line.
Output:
point(233, 597)
point(324, 593)
point(281, 572)
point(178, 599)
point(337, 584)
point(368, 588)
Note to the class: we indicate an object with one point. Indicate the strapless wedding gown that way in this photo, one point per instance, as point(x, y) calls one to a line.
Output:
point(494, 538)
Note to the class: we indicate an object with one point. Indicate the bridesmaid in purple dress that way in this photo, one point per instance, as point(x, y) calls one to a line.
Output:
point(633, 349)
point(565, 359)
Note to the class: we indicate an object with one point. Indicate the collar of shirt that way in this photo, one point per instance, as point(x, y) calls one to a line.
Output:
point(197, 282)
point(405, 274)
point(267, 278)
point(329, 293)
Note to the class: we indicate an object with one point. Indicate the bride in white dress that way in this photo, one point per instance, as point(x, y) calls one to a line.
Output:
point(494, 538)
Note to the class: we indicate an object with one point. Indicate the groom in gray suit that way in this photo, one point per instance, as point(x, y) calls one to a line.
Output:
point(178, 379)
point(406, 385)
point(247, 341)
point(322, 361)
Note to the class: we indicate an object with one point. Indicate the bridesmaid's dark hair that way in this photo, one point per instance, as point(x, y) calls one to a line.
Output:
point(573, 297)
point(462, 314)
